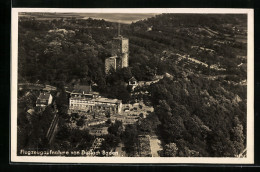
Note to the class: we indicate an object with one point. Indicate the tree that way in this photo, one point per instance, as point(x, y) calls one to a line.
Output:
point(170, 150)
point(80, 139)
point(191, 107)
point(63, 133)
point(80, 122)
point(130, 138)
point(149, 125)
point(237, 136)
point(145, 126)
point(24, 129)
point(108, 114)
point(110, 141)
point(108, 121)
point(116, 128)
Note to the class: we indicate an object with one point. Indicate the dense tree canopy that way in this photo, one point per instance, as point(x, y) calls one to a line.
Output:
point(200, 104)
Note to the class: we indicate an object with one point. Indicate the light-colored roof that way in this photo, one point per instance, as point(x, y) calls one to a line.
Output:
point(100, 99)
point(49, 87)
point(43, 98)
point(132, 79)
point(112, 57)
point(30, 111)
point(106, 100)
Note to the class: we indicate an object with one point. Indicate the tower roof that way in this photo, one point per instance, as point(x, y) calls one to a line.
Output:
point(120, 37)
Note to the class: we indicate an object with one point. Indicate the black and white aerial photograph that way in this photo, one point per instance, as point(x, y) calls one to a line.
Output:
point(115, 85)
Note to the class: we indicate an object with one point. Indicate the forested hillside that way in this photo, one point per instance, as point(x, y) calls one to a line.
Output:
point(201, 106)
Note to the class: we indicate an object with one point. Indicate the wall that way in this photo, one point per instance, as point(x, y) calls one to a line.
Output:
point(110, 63)
point(50, 99)
point(125, 60)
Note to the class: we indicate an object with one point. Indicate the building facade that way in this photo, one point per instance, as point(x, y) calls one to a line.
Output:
point(110, 63)
point(133, 83)
point(120, 54)
point(83, 99)
point(44, 99)
point(96, 104)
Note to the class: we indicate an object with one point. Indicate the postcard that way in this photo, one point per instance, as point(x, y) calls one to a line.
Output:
point(132, 85)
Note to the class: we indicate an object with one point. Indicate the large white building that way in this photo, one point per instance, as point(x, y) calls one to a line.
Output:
point(85, 100)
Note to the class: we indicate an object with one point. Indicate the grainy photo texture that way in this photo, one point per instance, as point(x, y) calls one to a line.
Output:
point(132, 85)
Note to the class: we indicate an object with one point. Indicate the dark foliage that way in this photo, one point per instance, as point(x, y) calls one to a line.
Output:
point(199, 110)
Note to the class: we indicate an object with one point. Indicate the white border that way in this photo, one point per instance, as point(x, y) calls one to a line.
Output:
point(174, 160)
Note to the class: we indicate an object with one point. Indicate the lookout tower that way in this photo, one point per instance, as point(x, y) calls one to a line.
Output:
point(119, 52)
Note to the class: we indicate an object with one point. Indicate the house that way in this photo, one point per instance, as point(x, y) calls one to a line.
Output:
point(132, 81)
point(30, 111)
point(95, 104)
point(84, 91)
point(149, 29)
point(83, 99)
point(44, 99)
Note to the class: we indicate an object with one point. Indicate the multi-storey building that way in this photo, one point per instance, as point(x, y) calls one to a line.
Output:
point(85, 100)
point(44, 99)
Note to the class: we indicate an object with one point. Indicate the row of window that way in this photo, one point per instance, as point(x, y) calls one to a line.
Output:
point(91, 103)
point(74, 104)
point(81, 101)
point(95, 107)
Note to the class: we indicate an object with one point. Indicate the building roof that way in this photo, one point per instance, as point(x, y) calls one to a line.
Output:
point(49, 88)
point(83, 89)
point(120, 37)
point(112, 57)
point(69, 89)
point(106, 100)
point(30, 111)
point(132, 79)
point(43, 98)
point(100, 99)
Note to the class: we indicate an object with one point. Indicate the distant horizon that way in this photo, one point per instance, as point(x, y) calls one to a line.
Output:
point(125, 18)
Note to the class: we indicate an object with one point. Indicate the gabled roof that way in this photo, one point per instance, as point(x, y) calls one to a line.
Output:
point(49, 87)
point(83, 89)
point(132, 79)
point(43, 98)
